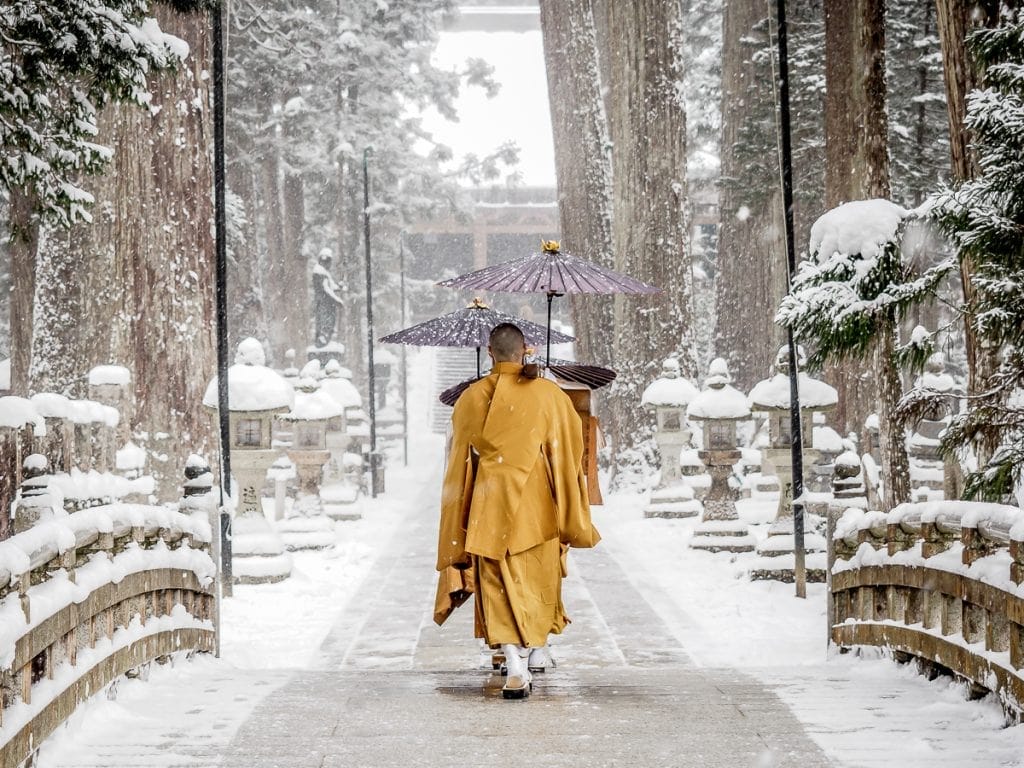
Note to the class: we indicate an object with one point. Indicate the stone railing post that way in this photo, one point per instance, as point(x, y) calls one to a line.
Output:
point(35, 501)
point(935, 541)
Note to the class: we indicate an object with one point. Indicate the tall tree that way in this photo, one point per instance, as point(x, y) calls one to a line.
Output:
point(919, 158)
point(982, 217)
point(582, 159)
point(856, 152)
point(647, 119)
point(142, 270)
point(962, 74)
point(59, 64)
point(702, 89)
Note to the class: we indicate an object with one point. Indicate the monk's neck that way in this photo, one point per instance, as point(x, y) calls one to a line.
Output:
point(508, 367)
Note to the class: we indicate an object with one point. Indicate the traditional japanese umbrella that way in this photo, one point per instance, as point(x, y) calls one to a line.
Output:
point(550, 272)
point(593, 376)
point(469, 327)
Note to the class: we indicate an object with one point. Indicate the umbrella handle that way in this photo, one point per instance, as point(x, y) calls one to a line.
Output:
point(550, 297)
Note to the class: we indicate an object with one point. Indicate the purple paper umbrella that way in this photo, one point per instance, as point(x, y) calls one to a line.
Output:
point(469, 327)
point(550, 272)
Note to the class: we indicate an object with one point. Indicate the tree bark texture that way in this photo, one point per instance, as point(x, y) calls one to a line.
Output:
point(891, 433)
point(856, 155)
point(955, 20)
point(295, 289)
point(142, 273)
point(24, 230)
point(752, 253)
point(279, 305)
point(350, 267)
point(651, 223)
point(582, 160)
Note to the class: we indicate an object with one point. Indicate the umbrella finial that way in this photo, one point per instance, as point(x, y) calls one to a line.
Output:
point(550, 246)
point(477, 303)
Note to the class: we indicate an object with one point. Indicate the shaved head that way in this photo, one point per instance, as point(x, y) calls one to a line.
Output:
point(507, 344)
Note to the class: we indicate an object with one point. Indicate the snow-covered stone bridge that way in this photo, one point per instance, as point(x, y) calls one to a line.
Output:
point(671, 660)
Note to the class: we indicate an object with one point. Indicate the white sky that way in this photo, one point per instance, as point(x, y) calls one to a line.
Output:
point(520, 110)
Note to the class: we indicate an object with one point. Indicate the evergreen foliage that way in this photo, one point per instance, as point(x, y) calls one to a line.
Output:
point(839, 302)
point(59, 63)
point(984, 218)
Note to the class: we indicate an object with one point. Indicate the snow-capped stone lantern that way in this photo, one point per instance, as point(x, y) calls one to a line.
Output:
point(310, 415)
point(338, 384)
point(256, 394)
point(771, 396)
point(306, 527)
point(668, 396)
point(847, 482)
point(827, 445)
point(720, 408)
point(927, 473)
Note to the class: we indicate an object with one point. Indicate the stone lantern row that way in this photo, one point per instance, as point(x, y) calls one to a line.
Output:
point(307, 412)
point(719, 409)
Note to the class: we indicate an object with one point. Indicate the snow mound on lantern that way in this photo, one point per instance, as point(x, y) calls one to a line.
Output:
point(314, 405)
point(110, 374)
point(252, 388)
point(774, 393)
point(672, 392)
point(342, 390)
point(863, 227)
point(250, 352)
point(725, 403)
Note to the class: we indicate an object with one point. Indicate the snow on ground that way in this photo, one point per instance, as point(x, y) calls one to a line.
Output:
point(862, 710)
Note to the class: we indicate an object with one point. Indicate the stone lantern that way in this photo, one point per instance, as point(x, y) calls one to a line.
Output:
point(668, 396)
point(827, 445)
point(771, 397)
point(927, 471)
point(720, 408)
point(290, 372)
point(307, 527)
point(256, 394)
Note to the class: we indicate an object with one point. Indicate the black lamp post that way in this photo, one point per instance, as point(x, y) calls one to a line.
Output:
point(220, 217)
point(376, 467)
point(786, 164)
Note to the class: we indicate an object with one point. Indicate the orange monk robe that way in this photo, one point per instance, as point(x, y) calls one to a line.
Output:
point(514, 496)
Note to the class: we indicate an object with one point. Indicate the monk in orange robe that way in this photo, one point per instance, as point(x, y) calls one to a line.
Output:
point(514, 500)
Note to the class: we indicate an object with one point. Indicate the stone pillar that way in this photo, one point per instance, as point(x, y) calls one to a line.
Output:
point(257, 550)
point(720, 528)
point(35, 503)
point(307, 527)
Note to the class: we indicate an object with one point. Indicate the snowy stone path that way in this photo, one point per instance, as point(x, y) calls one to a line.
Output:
point(671, 660)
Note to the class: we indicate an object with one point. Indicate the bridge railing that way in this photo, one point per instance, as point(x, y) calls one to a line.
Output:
point(88, 597)
point(939, 581)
